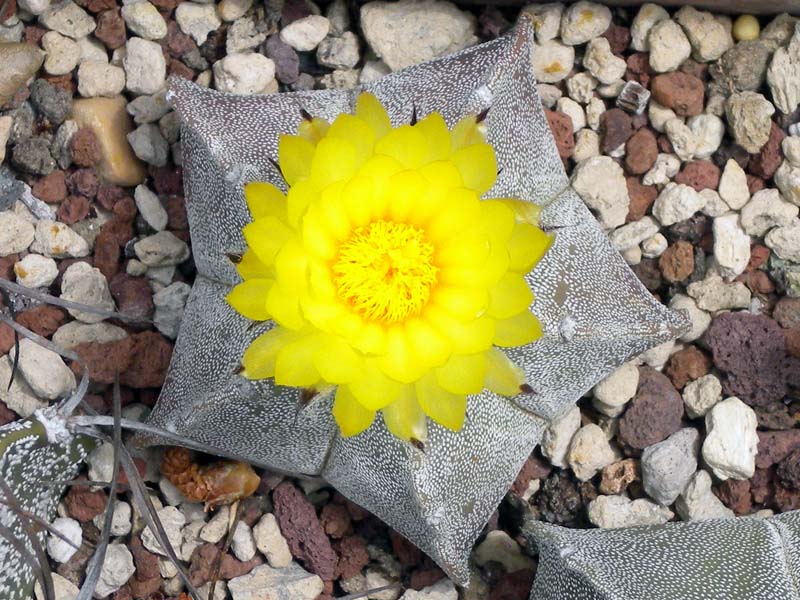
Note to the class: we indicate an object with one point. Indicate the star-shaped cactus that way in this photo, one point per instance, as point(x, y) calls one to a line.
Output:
point(439, 494)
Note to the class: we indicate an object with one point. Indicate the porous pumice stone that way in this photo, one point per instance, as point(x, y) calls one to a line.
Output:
point(578, 276)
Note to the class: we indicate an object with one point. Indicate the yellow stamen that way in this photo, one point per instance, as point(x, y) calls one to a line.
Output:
point(385, 271)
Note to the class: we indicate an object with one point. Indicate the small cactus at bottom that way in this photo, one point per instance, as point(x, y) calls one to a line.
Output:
point(34, 458)
point(722, 559)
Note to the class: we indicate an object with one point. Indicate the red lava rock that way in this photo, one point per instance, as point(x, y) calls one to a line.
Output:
point(664, 144)
point(168, 181)
point(641, 152)
point(787, 312)
point(84, 504)
point(616, 128)
point(755, 184)
point(757, 281)
point(42, 320)
point(6, 414)
point(6, 338)
point(83, 182)
point(639, 69)
point(692, 67)
point(51, 188)
point(132, 295)
point(407, 553)
point(34, 34)
point(654, 413)
point(119, 230)
point(769, 158)
point(85, 148)
point(677, 262)
point(335, 521)
point(793, 341)
point(619, 38)
point(96, 6)
point(679, 91)
point(648, 273)
point(7, 10)
point(687, 365)
point(422, 578)
point(699, 174)
point(785, 498)
point(758, 257)
point(287, 62)
point(561, 127)
point(63, 82)
point(165, 6)
point(303, 531)
point(761, 485)
point(146, 579)
point(106, 251)
point(788, 470)
point(774, 446)
point(178, 69)
point(751, 351)
point(125, 209)
point(205, 557)
point(735, 494)
point(150, 356)
point(533, 468)
point(7, 267)
point(353, 556)
point(108, 195)
point(176, 213)
point(124, 593)
point(642, 198)
point(73, 209)
point(513, 586)
point(105, 360)
point(177, 43)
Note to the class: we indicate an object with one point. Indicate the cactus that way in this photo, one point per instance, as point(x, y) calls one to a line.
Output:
point(595, 312)
point(719, 559)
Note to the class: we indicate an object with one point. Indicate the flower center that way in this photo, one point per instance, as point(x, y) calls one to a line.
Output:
point(385, 271)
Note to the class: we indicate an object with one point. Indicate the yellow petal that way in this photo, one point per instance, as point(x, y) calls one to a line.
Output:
point(430, 346)
point(498, 219)
point(313, 130)
point(460, 211)
point(464, 303)
point(291, 266)
point(399, 362)
point(468, 337)
point(337, 362)
point(317, 240)
point(357, 132)
point(405, 144)
point(370, 339)
point(250, 267)
point(524, 211)
point(334, 160)
point(442, 178)
point(404, 191)
point(465, 249)
point(404, 417)
point(294, 364)
point(299, 198)
point(503, 376)
point(435, 131)
point(460, 275)
point(478, 167)
point(259, 358)
point(294, 156)
point(351, 417)
point(497, 263)
point(265, 237)
point(357, 198)
point(510, 296)
point(463, 373)
point(466, 133)
point(526, 246)
point(332, 210)
point(373, 389)
point(446, 408)
point(519, 330)
point(249, 298)
point(284, 306)
point(265, 200)
point(370, 110)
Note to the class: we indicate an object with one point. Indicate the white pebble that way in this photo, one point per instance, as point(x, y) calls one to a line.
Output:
point(731, 246)
point(558, 435)
point(59, 550)
point(35, 270)
point(676, 203)
point(305, 34)
point(271, 543)
point(700, 395)
point(85, 284)
point(117, 569)
point(767, 209)
point(731, 440)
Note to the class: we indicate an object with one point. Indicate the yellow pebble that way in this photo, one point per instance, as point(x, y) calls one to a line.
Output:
point(746, 27)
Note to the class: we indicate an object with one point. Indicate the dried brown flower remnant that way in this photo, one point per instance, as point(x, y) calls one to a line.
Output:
point(215, 484)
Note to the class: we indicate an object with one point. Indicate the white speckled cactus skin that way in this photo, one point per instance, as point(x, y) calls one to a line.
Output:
point(723, 559)
point(26, 459)
point(595, 312)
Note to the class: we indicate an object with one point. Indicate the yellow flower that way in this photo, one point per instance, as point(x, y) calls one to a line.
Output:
point(385, 273)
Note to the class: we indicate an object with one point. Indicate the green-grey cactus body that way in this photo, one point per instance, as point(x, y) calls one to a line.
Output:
point(748, 558)
point(33, 452)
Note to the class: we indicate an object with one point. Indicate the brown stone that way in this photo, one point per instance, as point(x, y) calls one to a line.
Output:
point(769, 158)
point(132, 295)
point(787, 312)
point(774, 446)
point(513, 586)
point(641, 151)
point(758, 282)
point(619, 38)
point(687, 365)
point(407, 553)
point(677, 262)
point(6, 414)
point(758, 257)
point(735, 494)
point(83, 182)
point(654, 413)
point(146, 580)
point(681, 92)
point(353, 557)
point(639, 68)
point(110, 122)
point(793, 342)
point(664, 144)
point(617, 476)
point(176, 68)
point(561, 127)
point(109, 195)
point(150, 356)
point(107, 251)
point(176, 213)
point(43, 320)
point(616, 128)
point(205, 558)
point(642, 198)
point(6, 338)
point(84, 504)
point(20, 61)
point(422, 578)
point(73, 209)
point(755, 184)
point(699, 174)
point(335, 521)
point(110, 29)
point(51, 188)
point(85, 148)
point(533, 468)
point(96, 6)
